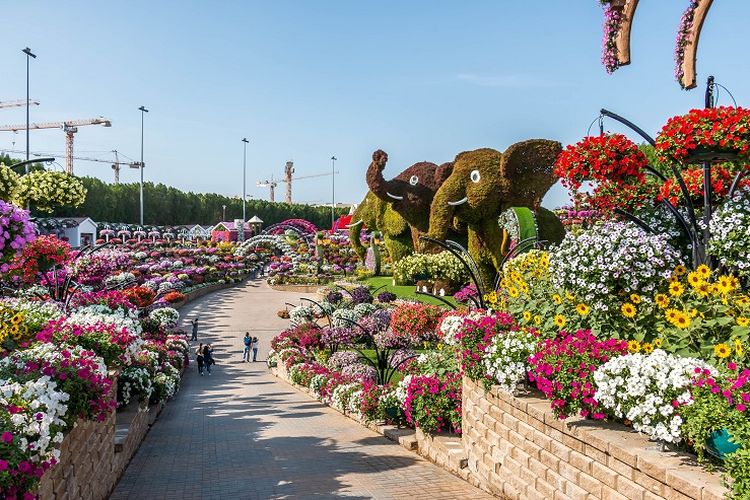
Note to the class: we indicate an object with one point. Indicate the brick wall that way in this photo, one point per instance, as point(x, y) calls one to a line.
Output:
point(94, 455)
point(516, 448)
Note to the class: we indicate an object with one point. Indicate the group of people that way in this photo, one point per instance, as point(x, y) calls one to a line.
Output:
point(204, 356)
point(251, 345)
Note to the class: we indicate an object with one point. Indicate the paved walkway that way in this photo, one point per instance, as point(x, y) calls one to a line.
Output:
point(243, 434)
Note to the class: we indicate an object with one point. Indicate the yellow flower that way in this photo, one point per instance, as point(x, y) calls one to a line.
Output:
point(634, 346)
point(680, 270)
point(560, 320)
point(524, 288)
point(704, 271)
point(513, 291)
point(440, 347)
point(583, 309)
point(722, 351)
point(527, 316)
point(569, 296)
point(16, 319)
point(694, 279)
point(738, 347)
point(735, 282)
point(703, 289)
point(628, 310)
point(657, 343)
point(661, 300)
point(647, 348)
point(724, 285)
point(743, 321)
point(693, 312)
point(557, 299)
point(672, 315)
point(538, 319)
point(676, 288)
point(635, 298)
point(13, 330)
point(682, 320)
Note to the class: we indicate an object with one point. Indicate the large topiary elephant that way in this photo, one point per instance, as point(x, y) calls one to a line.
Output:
point(410, 193)
point(376, 214)
point(484, 183)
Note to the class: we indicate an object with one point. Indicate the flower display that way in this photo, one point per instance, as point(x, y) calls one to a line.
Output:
point(440, 266)
point(47, 189)
point(730, 239)
point(8, 182)
point(434, 405)
point(416, 319)
point(648, 390)
point(15, 232)
point(506, 358)
point(612, 21)
point(723, 128)
point(683, 35)
point(166, 317)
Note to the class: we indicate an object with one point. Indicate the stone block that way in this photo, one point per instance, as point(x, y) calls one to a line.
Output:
point(621, 468)
point(630, 489)
point(590, 484)
point(580, 461)
point(576, 492)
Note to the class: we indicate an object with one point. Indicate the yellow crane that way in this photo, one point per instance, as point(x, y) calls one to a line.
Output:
point(288, 178)
point(70, 127)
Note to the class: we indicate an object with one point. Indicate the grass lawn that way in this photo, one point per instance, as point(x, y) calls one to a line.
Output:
point(404, 292)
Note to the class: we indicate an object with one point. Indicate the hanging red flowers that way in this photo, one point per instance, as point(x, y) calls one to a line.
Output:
point(721, 180)
point(724, 129)
point(605, 158)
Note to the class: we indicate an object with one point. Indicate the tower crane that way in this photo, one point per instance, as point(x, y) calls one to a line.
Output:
point(116, 165)
point(18, 103)
point(288, 178)
point(70, 127)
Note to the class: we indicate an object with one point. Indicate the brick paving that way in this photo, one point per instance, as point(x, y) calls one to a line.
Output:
point(243, 434)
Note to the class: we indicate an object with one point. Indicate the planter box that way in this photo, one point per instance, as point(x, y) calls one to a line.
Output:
point(518, 449)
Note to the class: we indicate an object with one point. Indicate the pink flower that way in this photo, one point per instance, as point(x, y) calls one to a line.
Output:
point(7, 437)
point(740, 407)
point(3, 465)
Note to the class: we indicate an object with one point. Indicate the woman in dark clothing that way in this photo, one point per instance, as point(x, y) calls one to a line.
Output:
point(208, 358)
point(199, 358)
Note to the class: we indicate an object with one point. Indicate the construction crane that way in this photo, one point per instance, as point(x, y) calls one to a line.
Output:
point(116, 165)
point(18, 103)
point(70, 127)
point(288, 178)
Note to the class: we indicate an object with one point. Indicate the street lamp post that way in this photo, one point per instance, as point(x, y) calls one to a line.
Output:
point(143, 111)
point(244, 163)
point(223, 212)
point(29, 55)
point(333, 190)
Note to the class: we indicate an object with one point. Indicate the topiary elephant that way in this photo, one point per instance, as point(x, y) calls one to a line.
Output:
point(410, 193)
point(483, 184)
point(376, 214)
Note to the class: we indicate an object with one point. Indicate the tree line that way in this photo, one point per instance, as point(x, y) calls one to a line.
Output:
point(166, 206)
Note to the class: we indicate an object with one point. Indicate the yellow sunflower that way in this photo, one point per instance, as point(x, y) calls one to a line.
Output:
point(582, 309)
point(743, 321)
point(557, 299)
point(693, 312)
point(680, 270)
point(694, 279)
point(743, 301)
point(538, 319)
point(647, 348)
point(722, 351)
point(703, 289)
point(676, 289)
point(723, 285)
point(682, 320)
point(704, 271)
point(527, 316)
point(628, 310)
point(634, 346)
point(672, 315)
point(738, 347)
point(635, 298)
point(661, 300)
point(513, 291)
point(16, 319)
point(657, 343)
point(560, 320)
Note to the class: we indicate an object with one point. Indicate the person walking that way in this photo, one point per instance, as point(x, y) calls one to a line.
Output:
point(195, 329)
point(255, 349)
point(208, 357)
point(199, 358)
point(248, 341)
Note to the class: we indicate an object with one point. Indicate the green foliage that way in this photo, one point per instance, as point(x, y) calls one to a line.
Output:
point(165, 205)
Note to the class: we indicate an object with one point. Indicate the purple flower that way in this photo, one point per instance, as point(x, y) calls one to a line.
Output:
point(360, 295)
point(386, 297)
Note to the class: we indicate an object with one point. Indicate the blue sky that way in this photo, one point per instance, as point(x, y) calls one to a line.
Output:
point(304, 79)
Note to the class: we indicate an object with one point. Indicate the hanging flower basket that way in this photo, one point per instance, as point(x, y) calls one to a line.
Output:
point(711, 134)
point(721, 180)
point(605, 158)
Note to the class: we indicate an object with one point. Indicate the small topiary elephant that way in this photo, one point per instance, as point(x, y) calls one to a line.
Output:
point(376, 214)
point(483, 184)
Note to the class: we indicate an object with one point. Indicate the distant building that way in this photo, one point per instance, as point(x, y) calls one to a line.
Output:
point(78, 231)
point(227, 231)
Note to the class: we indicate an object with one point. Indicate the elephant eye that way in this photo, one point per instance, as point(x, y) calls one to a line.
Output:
point(414, 179)
point(475, 176)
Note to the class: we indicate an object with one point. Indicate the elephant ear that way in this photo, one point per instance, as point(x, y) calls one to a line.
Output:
point(526, 171)
point(442, 173)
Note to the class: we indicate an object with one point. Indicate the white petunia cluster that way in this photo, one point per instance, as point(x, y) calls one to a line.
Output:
point(96, 313)
point(342, 394)
point(401, 390)
point(647, 389)
point(611, 258)
point(167, 317)
point(730, 233)
point(506, 358)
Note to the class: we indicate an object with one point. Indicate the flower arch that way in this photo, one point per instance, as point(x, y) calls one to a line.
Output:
point(274, 241)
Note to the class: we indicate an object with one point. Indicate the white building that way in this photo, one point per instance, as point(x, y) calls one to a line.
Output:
point(78, 231)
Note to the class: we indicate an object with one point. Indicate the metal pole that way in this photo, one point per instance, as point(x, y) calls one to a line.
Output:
point(333, 191)
point(244, 175)
point(29, 54)
point(143, 111)
point(709, 102)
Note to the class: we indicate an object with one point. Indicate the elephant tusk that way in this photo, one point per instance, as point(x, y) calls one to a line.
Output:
point(459, 202)
point(395, 197)
point(354, 223)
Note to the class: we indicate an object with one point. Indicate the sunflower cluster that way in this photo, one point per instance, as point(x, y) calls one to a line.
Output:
point(12, 327)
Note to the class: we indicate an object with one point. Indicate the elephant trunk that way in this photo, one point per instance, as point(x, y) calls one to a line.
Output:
point(441, 211)
point(375, 180)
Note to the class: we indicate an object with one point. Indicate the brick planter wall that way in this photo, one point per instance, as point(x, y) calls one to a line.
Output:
point(516, 448)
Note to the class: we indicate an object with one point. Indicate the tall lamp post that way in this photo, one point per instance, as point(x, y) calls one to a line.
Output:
point(333, 190)
point(29, 55)
point(223, 212)
point(143, 111)
point(244, 164)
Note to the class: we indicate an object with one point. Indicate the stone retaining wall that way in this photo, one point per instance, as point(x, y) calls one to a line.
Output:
point(516, 448)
